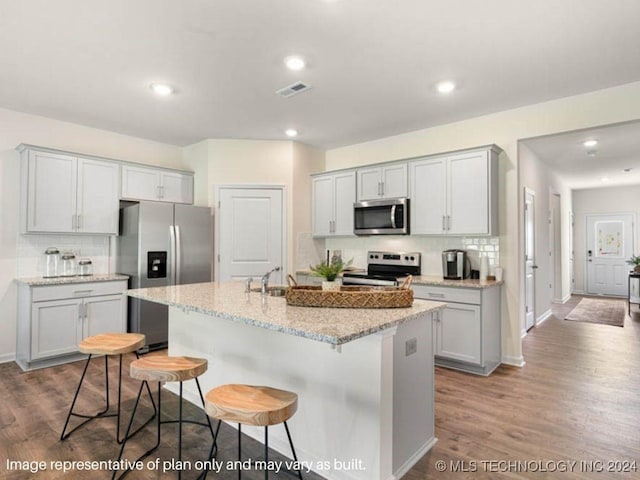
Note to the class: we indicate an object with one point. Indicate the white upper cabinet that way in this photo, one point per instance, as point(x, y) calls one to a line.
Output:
point(142, 183)
point(68, 194)
point(387, 181)
point(455, 194)
point(332, 205)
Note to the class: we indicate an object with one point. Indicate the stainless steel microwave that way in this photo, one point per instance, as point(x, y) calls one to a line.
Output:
point(381, 217)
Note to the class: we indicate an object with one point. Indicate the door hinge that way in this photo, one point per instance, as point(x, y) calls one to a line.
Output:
point(218, 203)
point(526, 309)
point(218, 258)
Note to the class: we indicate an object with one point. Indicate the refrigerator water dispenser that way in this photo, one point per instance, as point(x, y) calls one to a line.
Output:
point(156, 264)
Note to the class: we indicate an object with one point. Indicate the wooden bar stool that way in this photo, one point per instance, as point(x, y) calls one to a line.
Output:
point(160, 369)
point(251, 405)
point(106, 344)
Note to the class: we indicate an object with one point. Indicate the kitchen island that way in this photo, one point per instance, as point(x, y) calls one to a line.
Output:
point(364, 376)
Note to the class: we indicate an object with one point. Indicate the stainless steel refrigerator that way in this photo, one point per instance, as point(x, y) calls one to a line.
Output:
point(162, 244)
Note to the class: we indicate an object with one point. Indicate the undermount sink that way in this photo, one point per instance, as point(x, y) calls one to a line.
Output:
point(274, 291)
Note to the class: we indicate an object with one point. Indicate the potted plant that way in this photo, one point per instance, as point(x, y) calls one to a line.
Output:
point(635, 261)
point(330, 271)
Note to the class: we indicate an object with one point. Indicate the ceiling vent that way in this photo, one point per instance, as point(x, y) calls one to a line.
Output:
point(291, 90)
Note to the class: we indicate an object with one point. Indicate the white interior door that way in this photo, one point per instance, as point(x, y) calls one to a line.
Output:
point(609, 244)
point(529, 259)
point(250, 233)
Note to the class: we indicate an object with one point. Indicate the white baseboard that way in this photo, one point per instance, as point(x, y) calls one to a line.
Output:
point(566, 298)
point(578, 292)
point(8, 357)
point(523, 333)
point(543, 317)
point(415, 458)
point(513, 361)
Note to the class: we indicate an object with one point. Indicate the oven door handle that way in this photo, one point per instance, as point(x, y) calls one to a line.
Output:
point(393, 216)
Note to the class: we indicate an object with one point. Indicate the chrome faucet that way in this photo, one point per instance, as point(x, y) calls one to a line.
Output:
point(265, 280)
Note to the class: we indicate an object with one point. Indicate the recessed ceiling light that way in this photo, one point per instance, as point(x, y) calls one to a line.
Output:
point(590, 143)
point(446, 87)
point(161, 89)
point(291, 132)
point(295, 63)
point(604, 179)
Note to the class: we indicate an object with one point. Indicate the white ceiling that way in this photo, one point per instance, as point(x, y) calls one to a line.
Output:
point(372, 64)
point(618, 148)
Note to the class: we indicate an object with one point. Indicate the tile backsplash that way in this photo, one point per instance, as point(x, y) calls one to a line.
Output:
point(430, 248)
point(30, 251)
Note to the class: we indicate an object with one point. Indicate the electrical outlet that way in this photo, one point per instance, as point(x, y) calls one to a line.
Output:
point(410, 347)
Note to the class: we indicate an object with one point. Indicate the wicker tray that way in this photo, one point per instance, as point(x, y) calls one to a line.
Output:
point(350, 297)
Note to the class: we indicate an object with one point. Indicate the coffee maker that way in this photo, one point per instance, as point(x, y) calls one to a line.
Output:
point(455, 265)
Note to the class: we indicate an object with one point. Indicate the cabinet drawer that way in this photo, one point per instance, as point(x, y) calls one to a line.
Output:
point(77, 290)
point(447, 294)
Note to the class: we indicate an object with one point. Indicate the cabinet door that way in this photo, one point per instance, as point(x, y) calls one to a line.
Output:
point(56, 327)
point(97, 197)
point(394, 181)
point(176, 187)
point(103, 315)
point(458, 333)
point(468, 197)
point(51, 192)
point(428, 196)
point(369, 184)
point(344, 197)
point(140, 183)
point(322, 205)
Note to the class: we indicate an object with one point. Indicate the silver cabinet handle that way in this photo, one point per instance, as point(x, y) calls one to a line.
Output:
point(379, 189)
point(382, 183)
point(85, 310)
point(73, 222)
point(448, 222)
point(436, 295)
point(80, 311)
point(444, 227)
point(82, 292)
point(79, 221)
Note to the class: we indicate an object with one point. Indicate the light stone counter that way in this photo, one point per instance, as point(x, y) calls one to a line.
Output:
point(434, 280)
point(102, 277)
point(335, 326)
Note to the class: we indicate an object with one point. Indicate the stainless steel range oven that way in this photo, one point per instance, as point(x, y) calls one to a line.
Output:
point(385, 269)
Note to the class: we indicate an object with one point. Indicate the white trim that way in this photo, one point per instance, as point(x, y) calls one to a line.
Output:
point(543, 317)
point(8, 357)
point(563, 300)
point(513, 361)
point(415, 458)
point(523, 333)
point(578, 292)
point(216, 219)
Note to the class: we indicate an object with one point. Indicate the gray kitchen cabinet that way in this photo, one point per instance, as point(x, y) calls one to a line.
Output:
point(64, 193)
point(467, 332)
point(455, 194)
point(53, 319)
point(333, 196)
point(380, 182)
point(147, 183)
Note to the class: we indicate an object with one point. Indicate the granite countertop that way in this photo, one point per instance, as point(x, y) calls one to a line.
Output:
point(100, 277)
point(335, 326)
point(466, 283)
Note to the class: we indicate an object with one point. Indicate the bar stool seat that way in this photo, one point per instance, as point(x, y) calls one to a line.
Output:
point(106, 344)
point(253, 405)
point(112, 343)
point(160, 368)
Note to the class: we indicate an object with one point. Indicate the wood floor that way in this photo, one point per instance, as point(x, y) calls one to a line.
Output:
point(576, 400)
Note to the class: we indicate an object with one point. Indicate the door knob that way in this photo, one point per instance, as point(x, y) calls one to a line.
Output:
point(534, 266)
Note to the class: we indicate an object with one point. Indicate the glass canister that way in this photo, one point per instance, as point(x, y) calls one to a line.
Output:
point(68, 261)
point(85, 267)
point(51, 260)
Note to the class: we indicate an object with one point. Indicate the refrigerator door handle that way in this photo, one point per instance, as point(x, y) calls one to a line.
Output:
point(178, 250)
point(172, 254)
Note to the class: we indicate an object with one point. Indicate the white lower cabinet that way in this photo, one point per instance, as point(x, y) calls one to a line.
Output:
point(467, 332)
point(54, 319)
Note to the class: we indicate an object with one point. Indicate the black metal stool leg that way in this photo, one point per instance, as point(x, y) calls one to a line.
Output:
point(239, 451)
point(293, 450)
point(266, 452)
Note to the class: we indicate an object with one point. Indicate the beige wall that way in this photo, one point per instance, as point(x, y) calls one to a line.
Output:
point(504, 129)
point(538, 177)
point(16, 128)
point(259, 162)
point(600, 200)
